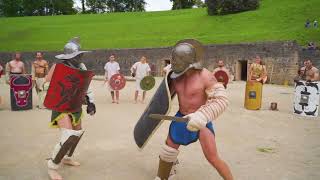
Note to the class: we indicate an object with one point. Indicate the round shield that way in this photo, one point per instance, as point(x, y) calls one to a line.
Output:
point(222, 76)
point(117, 82)
point(147, 83)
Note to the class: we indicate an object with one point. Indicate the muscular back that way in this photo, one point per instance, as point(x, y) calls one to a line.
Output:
point(190, 89)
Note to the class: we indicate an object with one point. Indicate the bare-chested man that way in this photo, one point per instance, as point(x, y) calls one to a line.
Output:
point(39, 70)
point(257, 71)
point(221, 67)
point(309, 72)
point(201, 99)
point(15, 66)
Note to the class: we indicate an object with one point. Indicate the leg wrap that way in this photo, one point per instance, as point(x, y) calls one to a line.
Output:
point(168, 156)
point(68, 139)
point(74, 146)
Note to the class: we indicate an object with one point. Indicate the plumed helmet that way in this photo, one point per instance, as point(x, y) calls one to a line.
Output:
point(186, 54)
point(71, 49)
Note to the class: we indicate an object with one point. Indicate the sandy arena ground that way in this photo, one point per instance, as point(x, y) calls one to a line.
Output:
point(258, 145)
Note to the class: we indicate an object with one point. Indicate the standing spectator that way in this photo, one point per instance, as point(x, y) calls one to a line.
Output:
point(15, 66)
point(39, 70)
point(315, 24)
point(112, 67)
point(311, 46)
point(307, 25)
point(309, 72)
point(221, 67)
point(140, 69)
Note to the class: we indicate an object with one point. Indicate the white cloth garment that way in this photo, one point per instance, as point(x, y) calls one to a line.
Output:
point(141, 70)
point(111, 68)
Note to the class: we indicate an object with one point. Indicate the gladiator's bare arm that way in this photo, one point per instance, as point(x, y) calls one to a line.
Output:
point(215, 105)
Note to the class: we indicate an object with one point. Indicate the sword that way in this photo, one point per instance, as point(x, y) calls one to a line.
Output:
point(168, 118)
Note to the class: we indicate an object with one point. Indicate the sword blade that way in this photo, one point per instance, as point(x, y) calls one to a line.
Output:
point(168, 118)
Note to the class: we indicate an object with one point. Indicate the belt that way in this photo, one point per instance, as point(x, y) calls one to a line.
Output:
point(40, 75)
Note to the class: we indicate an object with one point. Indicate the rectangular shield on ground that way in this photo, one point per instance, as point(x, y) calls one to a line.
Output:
point(20, 92)
point(306, 98)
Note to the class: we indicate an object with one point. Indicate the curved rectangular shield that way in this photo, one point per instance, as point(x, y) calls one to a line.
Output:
point(67, 89)
point(159, 104)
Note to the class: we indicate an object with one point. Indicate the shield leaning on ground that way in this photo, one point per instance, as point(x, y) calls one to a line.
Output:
point(147, 83)
point(222, 77)
point(159, 104)
point(21, 92)
point(306, 99)
point(117, 82)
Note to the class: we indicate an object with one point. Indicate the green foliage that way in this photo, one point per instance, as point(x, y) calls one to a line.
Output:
point(182, 4)
point(13, 8)
point(273, 21)
point(100, 6)
point(222, 7)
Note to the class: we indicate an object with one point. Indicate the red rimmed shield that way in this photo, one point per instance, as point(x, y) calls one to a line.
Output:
point(21, 92)
point(67, 89)
point(222, 76)
point(117, 82)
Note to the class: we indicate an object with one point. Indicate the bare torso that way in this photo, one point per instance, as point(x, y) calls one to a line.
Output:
point(40, 66)
point(311, 74)
point(190, 89)
point(16, 66)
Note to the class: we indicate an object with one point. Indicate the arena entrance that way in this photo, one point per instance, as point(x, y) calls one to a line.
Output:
point(242, 70)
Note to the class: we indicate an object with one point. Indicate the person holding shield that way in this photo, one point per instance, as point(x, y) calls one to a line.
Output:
point(201, 101)
point(140, 70)
point(69, 90)
point(111, 68)
point(221, 73)
point(309, 72)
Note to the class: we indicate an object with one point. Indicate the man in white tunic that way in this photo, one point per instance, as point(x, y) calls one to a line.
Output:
point(112, 67)
point(140, 70)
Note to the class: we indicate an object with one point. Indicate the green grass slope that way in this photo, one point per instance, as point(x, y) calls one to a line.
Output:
point(274, 20)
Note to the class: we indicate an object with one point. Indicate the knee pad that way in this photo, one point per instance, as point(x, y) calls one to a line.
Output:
point(168, 153)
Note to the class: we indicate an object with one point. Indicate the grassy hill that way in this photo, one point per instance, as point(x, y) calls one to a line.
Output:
point(275, 20)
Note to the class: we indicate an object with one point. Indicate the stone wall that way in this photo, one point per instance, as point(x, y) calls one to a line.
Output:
point(282, 58)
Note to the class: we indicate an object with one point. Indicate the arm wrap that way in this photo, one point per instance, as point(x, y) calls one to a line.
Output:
point(217, 102)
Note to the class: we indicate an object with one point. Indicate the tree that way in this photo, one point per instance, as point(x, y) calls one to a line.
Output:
point(34, 7)
point(125, 5)
point(83, 2)
point(221, 7)
point(199, 4)
point(11, 8)
point(96, 6)
point(134, 5)
point(182, 4)
point(64, 7)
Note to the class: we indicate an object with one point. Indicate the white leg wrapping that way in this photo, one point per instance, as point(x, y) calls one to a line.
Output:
point(168, 153)
point(65, 134)
point(168, 161)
